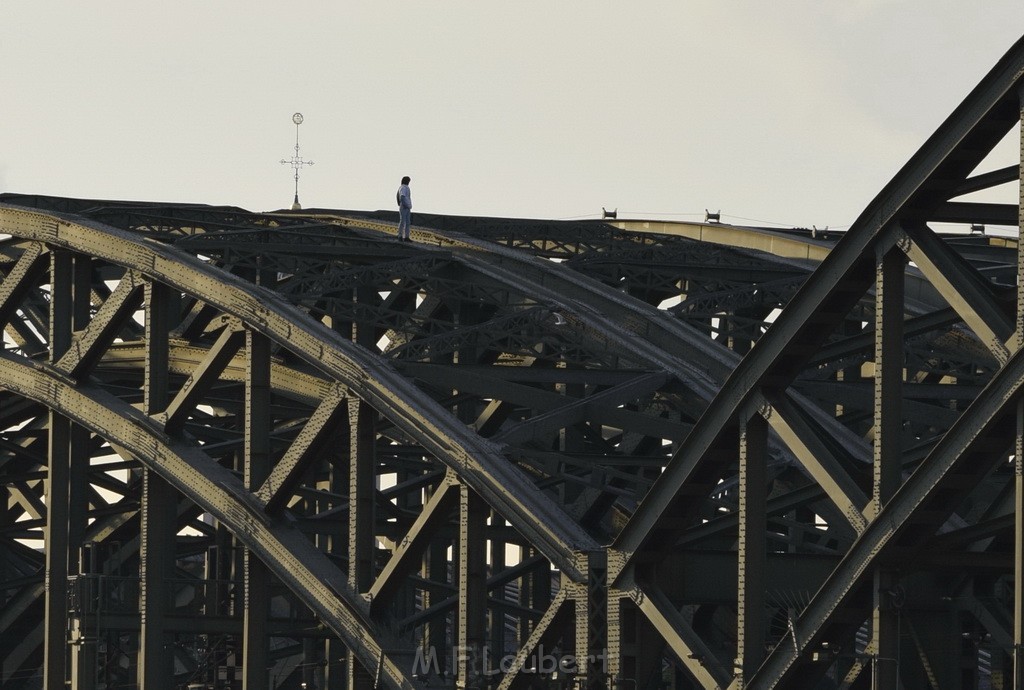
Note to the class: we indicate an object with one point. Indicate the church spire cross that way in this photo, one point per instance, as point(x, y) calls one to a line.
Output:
point(296, 161)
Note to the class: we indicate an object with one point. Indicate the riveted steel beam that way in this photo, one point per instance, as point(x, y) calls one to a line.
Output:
point(91, 343)
point(472, 576)
point(231, 340)
point(699, 660)
point(798, 434)
point(403, 561)
point(20, 278)
point(970, 296)
point(276, 489)
point(751, 549)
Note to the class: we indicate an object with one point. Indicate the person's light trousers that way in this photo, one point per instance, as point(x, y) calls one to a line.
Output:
point(404, 220)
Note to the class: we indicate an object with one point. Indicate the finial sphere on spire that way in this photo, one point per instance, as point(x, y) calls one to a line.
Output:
point(297, 118)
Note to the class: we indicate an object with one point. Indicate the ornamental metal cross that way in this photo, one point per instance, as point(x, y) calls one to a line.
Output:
point(296, 161)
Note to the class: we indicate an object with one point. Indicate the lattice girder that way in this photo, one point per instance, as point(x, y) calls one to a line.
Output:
point(635, 448)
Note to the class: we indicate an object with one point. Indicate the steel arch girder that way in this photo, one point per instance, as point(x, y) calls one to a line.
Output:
point(924, 184)
point(852, 281)
point(845, 274)
point(478, 462)
point(291, 556)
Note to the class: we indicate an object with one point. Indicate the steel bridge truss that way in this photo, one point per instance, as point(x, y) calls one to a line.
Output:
point(261, 450)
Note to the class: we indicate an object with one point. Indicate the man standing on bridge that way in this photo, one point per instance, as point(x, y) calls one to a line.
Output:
point(404, 198)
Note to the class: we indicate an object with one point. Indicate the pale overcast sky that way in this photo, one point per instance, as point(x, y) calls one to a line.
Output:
point(785, 112)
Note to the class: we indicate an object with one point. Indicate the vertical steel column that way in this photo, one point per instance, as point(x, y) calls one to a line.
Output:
point(81, 288)
point(537, 591)
point(635, 647)
point(255, 648)
point(497, 565)
point(888, 454)
point(850, 374)
point(742, 340)
point(61, 302)
point(435, 638)
point(57, 498)
point(592, 625)
point(83, 649)
point(888, 422)
point(159, 503)
point(362, 467)
point(1018, 542)
point(1018, 545)
point(312, 672)
point(472, 610)
point(156, 554)
point(573, 438)
point(617, 609)
point(56, 539)
point(751, 546)
point(336, 543)
point(361, 544)
point(526, 597)
point(404, 601)
point(362, 482)
point(156, 387)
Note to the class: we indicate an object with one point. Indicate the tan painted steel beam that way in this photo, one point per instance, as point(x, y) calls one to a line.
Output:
point(230, 341)
point(21, 278)
point(516, 668)
point(961, 288)
point(700, 662)
point(405, 558)
point(779, 243)
point(787, 421)
point(89, 344)
point(275, 490)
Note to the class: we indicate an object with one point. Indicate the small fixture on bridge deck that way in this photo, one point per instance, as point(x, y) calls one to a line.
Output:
point(977, 229)
point(710, 217)
point(605, 213)
point(819, 234)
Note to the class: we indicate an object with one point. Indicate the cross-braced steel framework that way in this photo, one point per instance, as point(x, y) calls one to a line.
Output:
point(261, 450)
